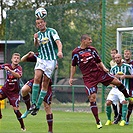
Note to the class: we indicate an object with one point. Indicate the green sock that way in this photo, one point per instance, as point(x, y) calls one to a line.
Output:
point(108, 112)
point(124, 111)
point(35, 90)
point(41, 98)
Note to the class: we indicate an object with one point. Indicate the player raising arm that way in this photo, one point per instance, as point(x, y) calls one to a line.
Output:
point(11, 88)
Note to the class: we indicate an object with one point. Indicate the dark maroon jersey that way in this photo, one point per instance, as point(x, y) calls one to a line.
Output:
point(11, 82)
point(32, 58)
point(86, 60)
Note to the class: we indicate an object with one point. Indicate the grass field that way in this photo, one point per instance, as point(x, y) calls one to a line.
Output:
point(64, 122)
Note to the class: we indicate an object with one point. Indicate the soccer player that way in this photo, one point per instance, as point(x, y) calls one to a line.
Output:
point(127, 58)
point(11, 88)
point(123, 72)
point(49, 48)
point(113, 52)
point(93, 70)
point(27, 88)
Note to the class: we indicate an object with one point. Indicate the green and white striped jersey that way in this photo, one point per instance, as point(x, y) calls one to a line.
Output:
point(47, 46)
point(125, 69)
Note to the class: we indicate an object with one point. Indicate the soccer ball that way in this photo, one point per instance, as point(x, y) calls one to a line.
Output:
point(40, 13)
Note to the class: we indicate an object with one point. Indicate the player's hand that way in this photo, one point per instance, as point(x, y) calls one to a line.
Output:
point(60, 54)
point(70, 81)
point(35, 35)
point(30, 53)
point(7, 68)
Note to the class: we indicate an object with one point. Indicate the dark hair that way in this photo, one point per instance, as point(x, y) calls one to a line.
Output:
point(41, 19)
point(114, 49)
point(84, 36)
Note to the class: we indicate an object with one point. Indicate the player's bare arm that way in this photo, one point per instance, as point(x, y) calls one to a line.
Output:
point(24, 58)
point(15, 74)
point(103, 67)
point(59, 45)
point(36, 42)
point(73, 70)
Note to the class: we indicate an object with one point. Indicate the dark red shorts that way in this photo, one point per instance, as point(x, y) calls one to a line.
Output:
point(13, 98)
point(94, 79)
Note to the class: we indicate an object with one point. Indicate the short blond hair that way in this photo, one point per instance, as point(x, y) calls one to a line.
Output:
point(17, 54)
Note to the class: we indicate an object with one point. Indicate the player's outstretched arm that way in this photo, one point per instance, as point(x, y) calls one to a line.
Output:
point(24, 58)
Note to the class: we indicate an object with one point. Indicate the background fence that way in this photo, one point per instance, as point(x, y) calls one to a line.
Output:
point(100, 18)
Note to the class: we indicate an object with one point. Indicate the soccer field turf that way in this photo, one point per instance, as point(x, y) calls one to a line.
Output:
point(64, 122)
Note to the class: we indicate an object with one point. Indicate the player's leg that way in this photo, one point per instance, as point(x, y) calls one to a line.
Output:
point(130, 108)
point(121, 88)
point(92, 92)
point(36, 88)
point(49, 117)
point(15, 103)
point(115, 110)
point(124, 109)
point(26, 89)
point(2, 97)
point(108, 112)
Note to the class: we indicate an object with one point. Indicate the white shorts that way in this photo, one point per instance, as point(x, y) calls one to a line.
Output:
point(115, 95)
point(47, 66)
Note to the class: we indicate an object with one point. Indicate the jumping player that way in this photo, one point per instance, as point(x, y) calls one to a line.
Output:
point(27, 88)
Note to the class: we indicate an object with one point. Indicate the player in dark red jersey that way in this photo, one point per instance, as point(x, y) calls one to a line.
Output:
point(93, 70)
point(127, 58)
point(11, 87)
point(27, 88)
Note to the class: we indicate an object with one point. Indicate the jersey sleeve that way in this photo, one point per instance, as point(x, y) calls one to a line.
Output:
point(55, 35)
point(32, 58)
point(96, 56)
point(75, 59)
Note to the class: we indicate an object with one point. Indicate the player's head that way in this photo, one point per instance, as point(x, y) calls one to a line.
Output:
point(85, 40)
point(41, 24)
point(113, 52)
point(118, 59)
point(127, 55)
point(15, 58)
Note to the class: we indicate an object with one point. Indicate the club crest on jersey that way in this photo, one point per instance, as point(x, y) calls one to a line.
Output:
point(44, 40)
point(86, 57)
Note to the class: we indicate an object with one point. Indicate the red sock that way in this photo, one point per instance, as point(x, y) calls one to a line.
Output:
point(49, 118)
point(18, 114)
point(27, 101)
point(94, 110)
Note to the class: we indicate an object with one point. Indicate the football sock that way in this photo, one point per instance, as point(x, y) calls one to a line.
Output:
point(41, 98)
point(0, 112)
point(18, 114)
point(35, 91)
point(123, 90)
point(124, 111)
point(27, 101)
point(108, 112)
point(130, 107)
point(94, 110)
point(115, 109)
point(49, 118)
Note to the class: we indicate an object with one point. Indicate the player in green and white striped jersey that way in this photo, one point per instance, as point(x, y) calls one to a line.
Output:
point(49, 48)
point(123, 72)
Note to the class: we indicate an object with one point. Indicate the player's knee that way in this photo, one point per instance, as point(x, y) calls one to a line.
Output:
point(108, 102)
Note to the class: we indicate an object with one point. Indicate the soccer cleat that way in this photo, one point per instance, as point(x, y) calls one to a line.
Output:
point(25, 114)
point(122, 123)
point(23, 129)
point(108, 123)
point(35, 111)
point(127, 123)
point(131, 99)
point(99, 125)
point(33, 106)
point(117, 119)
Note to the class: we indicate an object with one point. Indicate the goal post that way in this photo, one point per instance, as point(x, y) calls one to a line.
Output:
point(119, 37)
